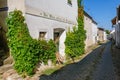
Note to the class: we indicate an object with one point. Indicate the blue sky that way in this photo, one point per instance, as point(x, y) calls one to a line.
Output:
point(102, 11)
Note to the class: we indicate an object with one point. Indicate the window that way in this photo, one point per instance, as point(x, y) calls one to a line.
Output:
point(70, 2)
point(42, 35)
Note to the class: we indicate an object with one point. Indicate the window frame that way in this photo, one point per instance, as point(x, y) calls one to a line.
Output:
point(42, 37)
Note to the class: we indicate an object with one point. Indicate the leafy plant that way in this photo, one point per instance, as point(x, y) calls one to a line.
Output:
point(27, 52)
point(70, 2)
point(107, 31)
point(51, 50)
point(48, 49)
point(75, 39)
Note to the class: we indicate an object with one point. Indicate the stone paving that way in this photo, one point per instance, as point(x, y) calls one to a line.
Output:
point(105, 70)
point(116, 61)
point(77, 71)
point(97, 65)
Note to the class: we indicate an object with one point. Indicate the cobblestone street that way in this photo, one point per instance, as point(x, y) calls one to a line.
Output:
point(105, 70)
point(116, 61)
point(97, 65)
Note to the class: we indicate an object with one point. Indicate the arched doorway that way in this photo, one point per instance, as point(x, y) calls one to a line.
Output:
point(59, 38)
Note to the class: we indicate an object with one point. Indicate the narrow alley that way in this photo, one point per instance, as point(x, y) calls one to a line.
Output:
point(59, 40)
point(97, 65)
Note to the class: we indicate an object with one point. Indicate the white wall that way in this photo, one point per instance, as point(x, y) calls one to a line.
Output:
point(38, 18)
point(105, 36)
point(94, 32)
point(62, 45)
point(16, 4)
point(88, 28)
point(111, 35)
point(117, 34)
point(55, 7)
point(38, 24)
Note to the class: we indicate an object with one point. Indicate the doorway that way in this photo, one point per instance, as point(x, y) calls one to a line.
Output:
point(57, 35)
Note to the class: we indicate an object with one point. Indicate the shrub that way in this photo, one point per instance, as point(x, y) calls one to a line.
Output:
point(48, 49)
point(51, 50)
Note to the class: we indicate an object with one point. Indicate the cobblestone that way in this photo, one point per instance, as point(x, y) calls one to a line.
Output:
point(97, 65)
point(116, 61)
point(77, 71)
point(105, 70)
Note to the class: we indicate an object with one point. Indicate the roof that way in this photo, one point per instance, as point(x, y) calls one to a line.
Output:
point(85, 13)
point(101, 28)
point(117, 17)
point(113, 21)
point(94, 21)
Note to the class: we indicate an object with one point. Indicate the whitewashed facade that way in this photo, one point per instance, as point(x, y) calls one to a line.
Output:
point(94, 32)
point(51, 18)
point(116, 25)
point(105, 36)
point(102, 36)
point(116, 34)
point(48, 19)
point(91, 30)
point(16, 4)
point(88, 28)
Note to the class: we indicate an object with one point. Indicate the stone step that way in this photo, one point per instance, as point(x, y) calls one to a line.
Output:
point(9, 60)
point(11, 74)
point(5, 68)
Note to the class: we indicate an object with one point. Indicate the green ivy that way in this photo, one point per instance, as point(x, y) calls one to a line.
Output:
point(75, 39)
point(26, 52)
point(48, 49)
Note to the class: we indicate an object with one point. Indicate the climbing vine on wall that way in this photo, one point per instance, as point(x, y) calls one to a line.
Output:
point(26, 52)
point(75, 39)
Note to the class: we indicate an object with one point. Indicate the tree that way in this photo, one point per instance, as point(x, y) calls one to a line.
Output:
point(107, 31)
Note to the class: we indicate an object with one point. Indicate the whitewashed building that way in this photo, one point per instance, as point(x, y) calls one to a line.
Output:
point(111, 36)
point(102, 36)
point(91, 30)
point(16, 4)
point(105, 36)
point(88, 28)
point(94, 31)
point(116, 25)
point(48, 19)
